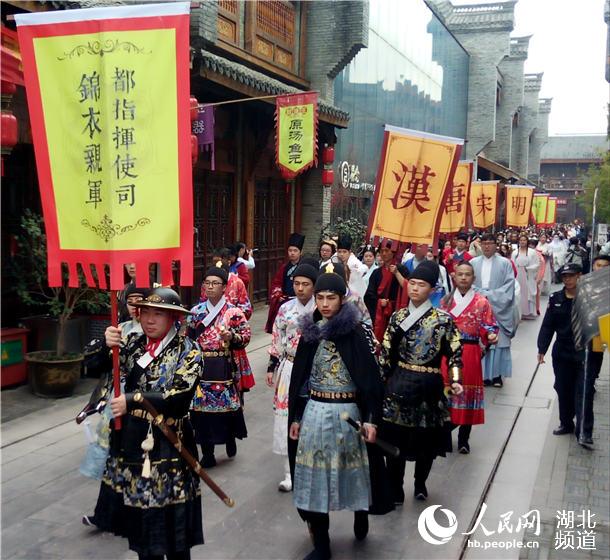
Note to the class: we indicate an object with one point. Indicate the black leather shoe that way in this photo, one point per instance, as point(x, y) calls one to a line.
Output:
point(562, 430)
point(487, 382)
point(420, 492)
point(464, 448)
point(88, 521)
point(231, 448)
point(497, 382)
point(361, 525)
point(586, 442)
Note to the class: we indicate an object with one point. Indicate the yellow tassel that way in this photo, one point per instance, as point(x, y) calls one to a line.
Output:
point(147, 445)
point(146, 467)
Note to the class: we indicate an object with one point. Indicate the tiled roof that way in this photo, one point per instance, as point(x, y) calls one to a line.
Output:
point(262, 83)
point(533, 82)
point(489, 16)
point(519, 46)
point(584, 147)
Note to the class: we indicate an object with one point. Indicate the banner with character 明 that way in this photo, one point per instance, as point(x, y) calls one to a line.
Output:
point(108, 97)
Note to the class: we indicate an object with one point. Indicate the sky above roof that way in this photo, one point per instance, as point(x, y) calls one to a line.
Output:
point(568, 44)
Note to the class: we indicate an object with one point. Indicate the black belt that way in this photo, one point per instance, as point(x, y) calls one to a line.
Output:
point(464, 341)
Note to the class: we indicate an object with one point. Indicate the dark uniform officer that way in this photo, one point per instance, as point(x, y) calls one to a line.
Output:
point(567, 362)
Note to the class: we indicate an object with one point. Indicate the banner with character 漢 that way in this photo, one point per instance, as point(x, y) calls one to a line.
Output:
point(414, 179)
point(108, 97)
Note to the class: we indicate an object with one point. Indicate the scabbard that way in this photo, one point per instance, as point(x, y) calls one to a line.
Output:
point(184, 452)
point(386, 447)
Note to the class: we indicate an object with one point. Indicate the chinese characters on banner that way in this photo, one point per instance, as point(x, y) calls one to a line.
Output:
point(539, 205)
point(551, 211)
point(483, 203)
point(456, 205)
point(296, 127)
point(108, 97)
point(415, 172)
point(518, 205)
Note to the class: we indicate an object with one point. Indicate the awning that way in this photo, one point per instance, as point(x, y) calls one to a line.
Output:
point(502, 171)
point(252, 83)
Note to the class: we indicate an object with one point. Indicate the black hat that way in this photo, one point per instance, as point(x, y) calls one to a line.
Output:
point(306, 270)
point(311, 261)
point(296, 240)
point(570, 268)
point(427, 271)
point(163, 298)
point(345, 242)
point(330, 282)
point(218, 271)
point(461, 237)
point(132, 290)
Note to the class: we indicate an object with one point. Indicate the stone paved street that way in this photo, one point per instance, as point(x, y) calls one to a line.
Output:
point(515, 465)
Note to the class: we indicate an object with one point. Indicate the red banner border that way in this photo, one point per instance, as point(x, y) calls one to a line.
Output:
point(114, 259)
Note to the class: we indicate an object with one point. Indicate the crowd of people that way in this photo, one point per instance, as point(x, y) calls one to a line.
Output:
point(375, 358)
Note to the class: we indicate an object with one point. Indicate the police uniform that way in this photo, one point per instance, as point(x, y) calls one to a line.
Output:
point(567, 361)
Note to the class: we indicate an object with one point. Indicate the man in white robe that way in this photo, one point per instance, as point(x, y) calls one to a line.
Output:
point(495, 279)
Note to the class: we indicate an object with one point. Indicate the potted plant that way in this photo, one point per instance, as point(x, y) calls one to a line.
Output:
point(50, 373)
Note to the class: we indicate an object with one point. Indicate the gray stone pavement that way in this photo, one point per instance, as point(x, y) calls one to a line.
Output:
point(513, 458)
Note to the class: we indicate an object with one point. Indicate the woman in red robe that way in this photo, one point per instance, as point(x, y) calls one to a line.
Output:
point(474, 318)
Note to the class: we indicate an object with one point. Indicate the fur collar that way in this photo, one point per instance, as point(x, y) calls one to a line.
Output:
point(341, 324)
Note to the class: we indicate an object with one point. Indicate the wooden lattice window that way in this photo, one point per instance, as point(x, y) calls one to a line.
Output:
point(228, 21)
point(271, 31)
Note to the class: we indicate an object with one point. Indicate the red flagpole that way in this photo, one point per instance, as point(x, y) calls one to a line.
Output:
point(114, 317)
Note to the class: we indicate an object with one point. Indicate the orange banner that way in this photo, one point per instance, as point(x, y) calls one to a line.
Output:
point(483, 203)
point(456, 205)
point(518, 205)
point(551, 211)
point(414, 173)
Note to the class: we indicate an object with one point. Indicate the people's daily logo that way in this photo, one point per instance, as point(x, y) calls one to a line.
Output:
point(432, 531)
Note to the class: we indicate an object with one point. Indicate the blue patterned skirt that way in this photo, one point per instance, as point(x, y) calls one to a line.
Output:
point(331, 467)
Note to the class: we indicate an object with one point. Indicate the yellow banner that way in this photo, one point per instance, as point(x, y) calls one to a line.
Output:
point(551, 211)
point(456, 205)
point(539, 205)
point(297, 123)
point(518, 205)
point(483, 203)
point(113, 166)
point(414, 173)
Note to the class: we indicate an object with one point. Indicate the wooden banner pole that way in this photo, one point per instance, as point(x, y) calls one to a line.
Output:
point(116, 379)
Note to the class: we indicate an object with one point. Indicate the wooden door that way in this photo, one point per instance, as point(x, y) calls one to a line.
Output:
point(213, 200)
point(271, 223)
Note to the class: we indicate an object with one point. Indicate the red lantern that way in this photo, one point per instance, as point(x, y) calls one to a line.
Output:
point(194, 108)
point(8, 88)
point(194, 150)
point(9, 131)
point(328, 176)
point(328, 155)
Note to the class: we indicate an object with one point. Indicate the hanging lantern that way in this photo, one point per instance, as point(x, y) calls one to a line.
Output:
point(328, 155)
point(328, 177)
point(194, 108)
point(194, 150)
point(8, 88)
point(9, 132)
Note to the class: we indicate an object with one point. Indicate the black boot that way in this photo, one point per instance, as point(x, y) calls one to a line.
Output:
point(361, 525)
point(231, 447)
point(396, 474)
point(422, 470)
point(318, 526)
point(463, 437)
point(207, 456)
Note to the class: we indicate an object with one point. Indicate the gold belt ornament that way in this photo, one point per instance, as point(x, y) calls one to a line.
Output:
point(420, 369)
point(215, 354)
point(139, 413)
point(333, 395)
